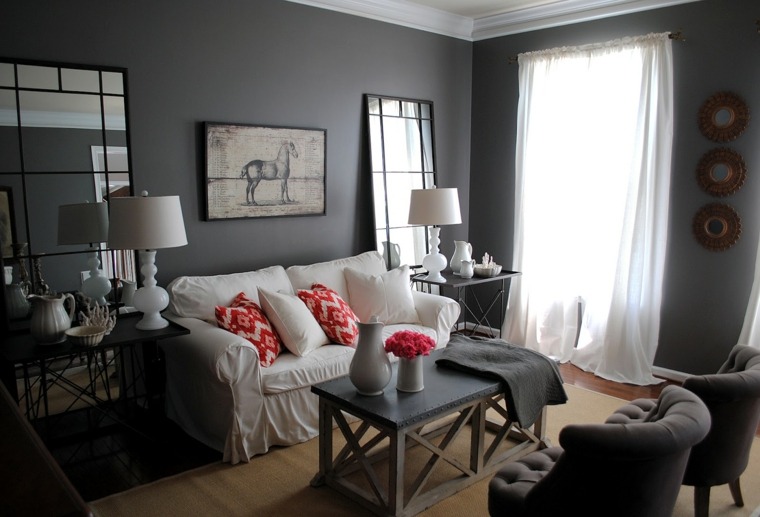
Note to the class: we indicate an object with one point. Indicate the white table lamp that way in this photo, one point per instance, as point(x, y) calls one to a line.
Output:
point(87, 223)
point(434, 207)
point(146, 224)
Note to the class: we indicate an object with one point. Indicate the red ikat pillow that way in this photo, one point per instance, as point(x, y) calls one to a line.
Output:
point(246, 319)
point(334, 315)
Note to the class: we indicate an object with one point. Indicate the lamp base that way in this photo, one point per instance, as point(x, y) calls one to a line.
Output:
point(434, 263)
point(150, 299)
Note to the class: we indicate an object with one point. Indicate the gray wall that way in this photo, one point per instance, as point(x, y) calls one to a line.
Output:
point(705, 295)
point(268, 62)
point(279, 63)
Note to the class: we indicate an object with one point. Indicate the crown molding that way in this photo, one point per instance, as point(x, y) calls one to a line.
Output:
point(424, 18)
point(561, 13)
point(401, 13)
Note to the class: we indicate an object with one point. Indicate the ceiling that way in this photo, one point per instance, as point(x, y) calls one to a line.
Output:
point(474, 20)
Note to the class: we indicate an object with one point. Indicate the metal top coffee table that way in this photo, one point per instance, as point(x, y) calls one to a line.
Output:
point(392, 423)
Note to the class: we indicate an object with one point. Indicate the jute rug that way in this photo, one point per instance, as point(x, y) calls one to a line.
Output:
point(277, 483)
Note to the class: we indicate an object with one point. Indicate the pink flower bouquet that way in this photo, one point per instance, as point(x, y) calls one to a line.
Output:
point(409, 344)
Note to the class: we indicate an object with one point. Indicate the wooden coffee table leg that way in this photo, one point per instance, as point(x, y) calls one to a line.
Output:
point(396, 472)
point(325, 443)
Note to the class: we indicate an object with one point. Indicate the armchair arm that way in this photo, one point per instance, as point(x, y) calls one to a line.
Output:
point(437, 312)
point(213, 388)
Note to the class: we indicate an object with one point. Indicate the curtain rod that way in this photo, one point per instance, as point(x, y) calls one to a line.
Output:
point(676, 36)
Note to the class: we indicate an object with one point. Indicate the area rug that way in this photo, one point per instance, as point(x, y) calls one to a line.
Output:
point(277, 483)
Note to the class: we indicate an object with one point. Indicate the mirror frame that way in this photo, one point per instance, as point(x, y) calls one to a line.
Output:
point(736, 172)
point(29, 254)
point(717, 213)
point(426, 176)
point(738, 117)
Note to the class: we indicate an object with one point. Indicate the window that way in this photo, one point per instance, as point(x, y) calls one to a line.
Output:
point(593, 178)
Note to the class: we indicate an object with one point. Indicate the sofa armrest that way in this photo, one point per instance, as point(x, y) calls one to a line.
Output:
point(437, 312)
point(213, 387)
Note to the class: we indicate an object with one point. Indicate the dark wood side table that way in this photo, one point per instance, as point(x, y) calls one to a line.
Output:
point(467, 297)
point(133, 353)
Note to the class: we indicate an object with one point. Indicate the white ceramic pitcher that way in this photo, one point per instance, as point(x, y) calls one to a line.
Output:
point(467, 269)
point(462, 251)
point(50, 321)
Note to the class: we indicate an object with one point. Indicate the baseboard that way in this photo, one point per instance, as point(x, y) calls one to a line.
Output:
point(670, 375)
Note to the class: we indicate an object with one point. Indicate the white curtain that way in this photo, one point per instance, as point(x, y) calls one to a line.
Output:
point(594, 136)
point(750, 334)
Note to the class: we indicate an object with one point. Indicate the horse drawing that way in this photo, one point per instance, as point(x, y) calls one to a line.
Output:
point(277, 169)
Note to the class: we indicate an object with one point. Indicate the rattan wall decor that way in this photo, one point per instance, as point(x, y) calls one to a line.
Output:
point(723, 117)
point(721, 172)
point(717, 226)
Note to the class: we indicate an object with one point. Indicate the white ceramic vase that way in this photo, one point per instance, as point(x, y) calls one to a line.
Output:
point(462, 251)
point(391, 254)
point(50, 320)
point(370, 369)
point(409, 378)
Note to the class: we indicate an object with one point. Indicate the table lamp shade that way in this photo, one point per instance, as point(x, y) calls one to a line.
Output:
point(82, 223)
point(146, 223)
point(434, 206)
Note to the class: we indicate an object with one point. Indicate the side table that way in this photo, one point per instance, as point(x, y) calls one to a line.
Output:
point(131, 352)
point(468, 299)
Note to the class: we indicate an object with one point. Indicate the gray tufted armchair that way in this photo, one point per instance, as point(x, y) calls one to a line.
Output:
point(632, 465)
point(733, 397)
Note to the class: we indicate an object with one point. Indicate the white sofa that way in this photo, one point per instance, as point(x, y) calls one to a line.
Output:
point(217, 391)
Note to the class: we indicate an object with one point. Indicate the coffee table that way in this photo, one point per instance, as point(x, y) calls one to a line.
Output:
point(390, 425)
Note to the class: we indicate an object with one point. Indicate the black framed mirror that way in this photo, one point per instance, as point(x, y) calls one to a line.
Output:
point(64, 139)
point(402, 158)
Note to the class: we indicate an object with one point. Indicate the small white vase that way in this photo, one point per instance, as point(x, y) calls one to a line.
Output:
point(370, 369)
point(409, 378)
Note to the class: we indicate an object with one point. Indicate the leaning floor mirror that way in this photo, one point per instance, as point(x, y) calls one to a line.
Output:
point(64, 142)
point(402, 158)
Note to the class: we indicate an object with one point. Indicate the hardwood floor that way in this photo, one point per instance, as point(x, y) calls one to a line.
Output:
point(573, 375)
point(118, 459)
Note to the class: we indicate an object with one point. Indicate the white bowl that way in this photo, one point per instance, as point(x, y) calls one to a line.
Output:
point(486, 272)
point(86, 335)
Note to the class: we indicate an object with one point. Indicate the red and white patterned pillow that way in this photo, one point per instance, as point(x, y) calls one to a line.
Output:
point(334, 315)
point(246, 319)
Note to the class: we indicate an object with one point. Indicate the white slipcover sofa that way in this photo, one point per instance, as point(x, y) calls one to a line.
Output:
point(216, 389)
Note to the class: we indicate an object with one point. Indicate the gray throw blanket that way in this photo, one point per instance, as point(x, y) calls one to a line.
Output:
point(532, 379)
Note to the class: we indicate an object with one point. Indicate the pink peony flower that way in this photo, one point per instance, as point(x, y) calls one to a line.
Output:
point(409, 344)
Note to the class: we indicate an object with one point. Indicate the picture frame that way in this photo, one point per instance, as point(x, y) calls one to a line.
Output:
point(257, 171)
point(7, 222)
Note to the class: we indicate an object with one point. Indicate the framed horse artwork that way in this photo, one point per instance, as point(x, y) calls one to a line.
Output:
point(264, 171)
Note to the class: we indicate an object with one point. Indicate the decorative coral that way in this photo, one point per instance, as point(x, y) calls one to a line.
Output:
point(97, 315)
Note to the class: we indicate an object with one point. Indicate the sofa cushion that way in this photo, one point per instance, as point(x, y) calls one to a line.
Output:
point(299, 331)
point(332, 313)
point(246, 319)
point(197, 296)
point(387, 296)
point(330, 273)
point(290, 372)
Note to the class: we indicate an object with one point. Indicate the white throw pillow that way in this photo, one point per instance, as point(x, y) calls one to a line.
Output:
point(293, 321)
point(387, 296)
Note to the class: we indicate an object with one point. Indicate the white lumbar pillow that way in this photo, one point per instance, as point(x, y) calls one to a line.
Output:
point(293, 321)
point(387, 296)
